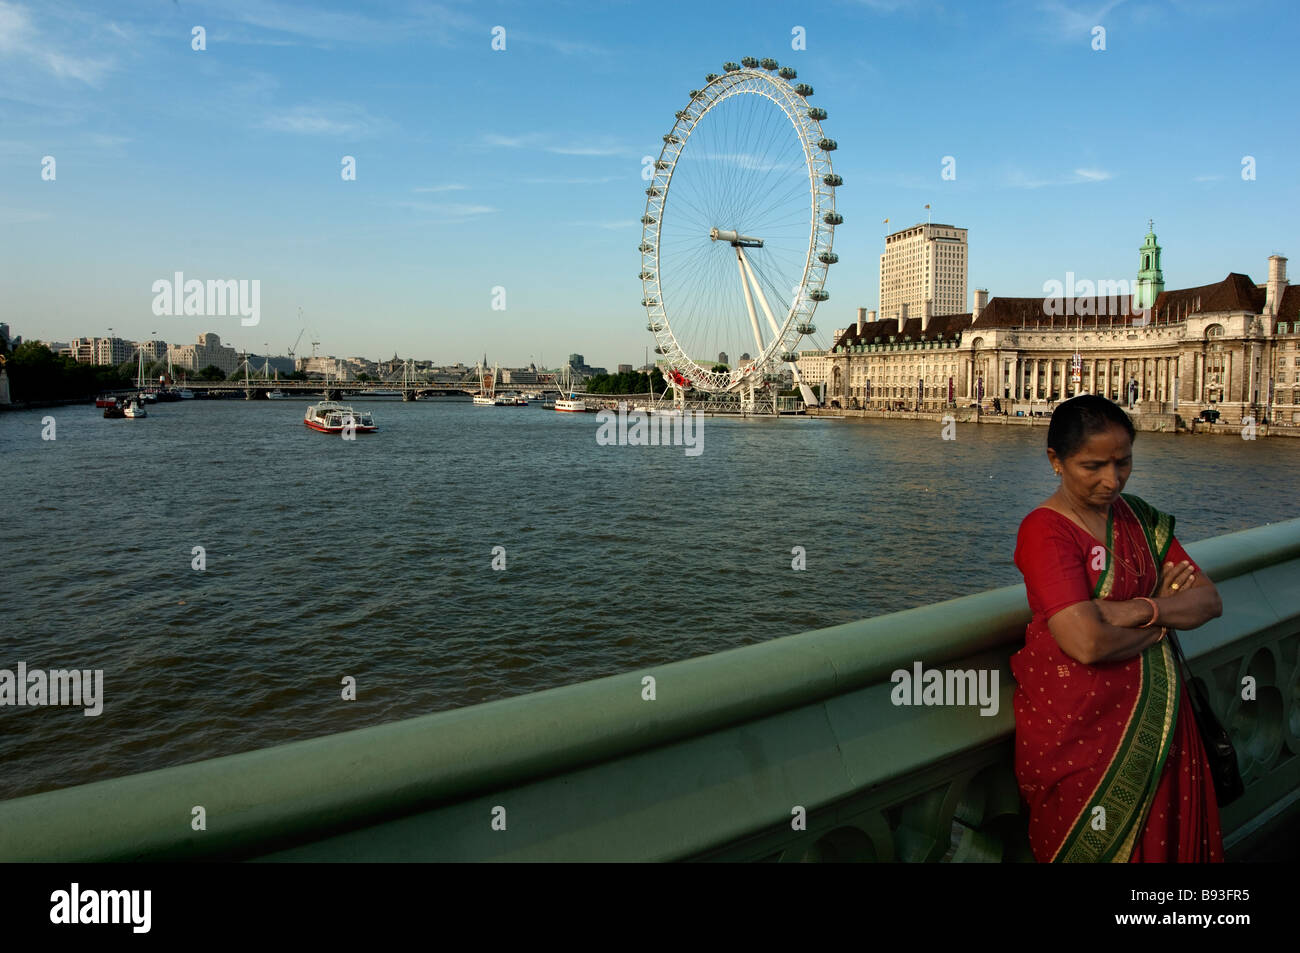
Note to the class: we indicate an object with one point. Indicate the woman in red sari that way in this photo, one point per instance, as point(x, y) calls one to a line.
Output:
point(1107, 752)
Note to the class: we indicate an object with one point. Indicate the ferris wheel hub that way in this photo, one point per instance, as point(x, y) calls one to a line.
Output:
point(722, 235)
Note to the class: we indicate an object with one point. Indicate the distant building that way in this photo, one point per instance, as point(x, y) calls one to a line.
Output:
point(112, 350)
point(82, 350)
point(520, 376)
point(581, 370)
point(207, 350)
point(923, 271)
point(328, 367)
point(625, 368)
point(814, 367)
point(722, 358)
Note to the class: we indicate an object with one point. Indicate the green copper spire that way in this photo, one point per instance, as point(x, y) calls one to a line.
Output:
point(1150, 280)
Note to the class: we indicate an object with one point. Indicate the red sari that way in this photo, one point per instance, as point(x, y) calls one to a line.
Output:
point(1107, 756)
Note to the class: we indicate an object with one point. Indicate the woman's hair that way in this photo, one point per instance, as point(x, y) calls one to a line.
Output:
point(1079, 418)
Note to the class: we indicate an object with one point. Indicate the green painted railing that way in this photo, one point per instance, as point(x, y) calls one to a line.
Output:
point(719, 765)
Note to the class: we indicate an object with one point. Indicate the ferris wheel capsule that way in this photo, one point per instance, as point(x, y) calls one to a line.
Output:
point(786, 72)
point(769, 63)
point(816, 112)
point(804, 90)
point(748, 62)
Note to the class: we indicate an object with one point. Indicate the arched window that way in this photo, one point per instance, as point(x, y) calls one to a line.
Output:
point(1214, 331)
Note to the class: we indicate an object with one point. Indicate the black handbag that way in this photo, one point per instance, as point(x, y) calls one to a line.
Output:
point(1222, 755)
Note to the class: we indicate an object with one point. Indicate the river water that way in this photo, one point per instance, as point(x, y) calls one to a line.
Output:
point(373, 558)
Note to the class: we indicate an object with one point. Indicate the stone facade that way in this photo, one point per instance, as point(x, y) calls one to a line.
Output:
point(1233, 346)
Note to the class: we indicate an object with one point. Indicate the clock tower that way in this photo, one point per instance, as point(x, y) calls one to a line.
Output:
point(1150, 279)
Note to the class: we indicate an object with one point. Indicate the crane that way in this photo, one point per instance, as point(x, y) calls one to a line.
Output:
point(296, 342)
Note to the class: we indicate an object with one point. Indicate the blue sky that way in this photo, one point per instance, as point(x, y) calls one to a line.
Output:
point(522, 168)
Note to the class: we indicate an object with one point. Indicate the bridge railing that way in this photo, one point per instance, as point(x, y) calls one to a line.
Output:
point(717, 757)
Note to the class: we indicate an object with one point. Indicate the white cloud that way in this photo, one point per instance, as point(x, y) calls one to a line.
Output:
point(20, 39)
point(545, 142)
point(578, 181)
point(745, 160)
point(1020, 179)
point(324, 121)
point(621, 223)
point(312, 24)
point(21, 216)
point(454, 209)
point(1070, 23)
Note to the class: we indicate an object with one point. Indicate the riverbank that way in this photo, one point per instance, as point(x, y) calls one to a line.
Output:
point(1150, 423)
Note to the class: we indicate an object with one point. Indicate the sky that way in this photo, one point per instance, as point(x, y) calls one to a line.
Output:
point(482, 170)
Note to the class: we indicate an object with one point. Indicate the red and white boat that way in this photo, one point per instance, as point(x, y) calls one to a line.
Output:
point(332, 417)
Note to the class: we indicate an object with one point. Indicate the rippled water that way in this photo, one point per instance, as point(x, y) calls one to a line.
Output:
point(372, 558)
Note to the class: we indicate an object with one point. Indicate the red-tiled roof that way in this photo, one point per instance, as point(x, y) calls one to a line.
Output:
point(1234, 293)
point(1289, 308)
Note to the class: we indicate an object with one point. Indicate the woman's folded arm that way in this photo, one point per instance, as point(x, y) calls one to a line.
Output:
point(1188, 609)
point(1084, 634)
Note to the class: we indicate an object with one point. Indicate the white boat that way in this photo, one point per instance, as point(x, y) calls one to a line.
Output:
point(487, 395)
point(332, 417)
point(378, 392)
point(134, 408)
point(276, 395)
point(186, 393)
point(572, 404)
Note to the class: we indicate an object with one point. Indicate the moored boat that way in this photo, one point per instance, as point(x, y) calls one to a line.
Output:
point(134, 408)
point(571, 404)
point(104, 400)
point(276, 394)
point(332, 417)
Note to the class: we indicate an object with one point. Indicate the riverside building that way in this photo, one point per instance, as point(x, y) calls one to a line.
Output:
point(924, 263)
point(1233, 345)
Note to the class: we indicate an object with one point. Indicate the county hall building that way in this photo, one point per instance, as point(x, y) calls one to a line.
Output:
point(1229, 346)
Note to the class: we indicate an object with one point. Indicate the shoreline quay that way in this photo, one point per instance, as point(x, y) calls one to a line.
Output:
point(1147, 423)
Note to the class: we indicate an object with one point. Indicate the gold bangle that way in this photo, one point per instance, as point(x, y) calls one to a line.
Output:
point(1155, 612)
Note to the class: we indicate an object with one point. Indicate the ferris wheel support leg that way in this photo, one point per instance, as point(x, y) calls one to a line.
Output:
point(762, 298)
point(749, 299)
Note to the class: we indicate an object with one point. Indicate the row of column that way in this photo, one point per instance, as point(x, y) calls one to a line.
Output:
point(1025, 378)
